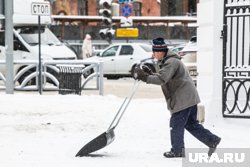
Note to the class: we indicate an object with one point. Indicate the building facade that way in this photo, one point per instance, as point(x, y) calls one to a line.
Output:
point(140, 7)
point(76, 29)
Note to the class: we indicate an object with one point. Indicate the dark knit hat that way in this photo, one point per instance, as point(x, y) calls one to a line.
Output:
point(159, 45)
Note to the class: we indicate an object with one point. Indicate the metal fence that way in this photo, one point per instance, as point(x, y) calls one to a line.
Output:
point(146, 32)
point(236, 59)
point(27, 73)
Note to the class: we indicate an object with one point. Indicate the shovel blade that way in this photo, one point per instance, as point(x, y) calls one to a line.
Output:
point(97, 143)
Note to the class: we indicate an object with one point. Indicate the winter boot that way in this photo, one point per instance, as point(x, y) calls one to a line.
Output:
point(213, 147)
point(172, 154)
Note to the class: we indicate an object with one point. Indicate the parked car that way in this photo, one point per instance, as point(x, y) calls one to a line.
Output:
point(189, 55)
point(177, 49)
point(120, 59)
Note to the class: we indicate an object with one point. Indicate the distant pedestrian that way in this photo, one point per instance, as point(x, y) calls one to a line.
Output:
point(181, 97)
point(87, 47)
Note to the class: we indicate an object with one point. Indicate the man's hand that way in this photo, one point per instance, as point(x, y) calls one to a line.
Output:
point(147, 69)
point(140, 74)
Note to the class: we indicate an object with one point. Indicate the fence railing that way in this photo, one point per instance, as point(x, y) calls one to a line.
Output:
point(236, 62)
point(26, 74)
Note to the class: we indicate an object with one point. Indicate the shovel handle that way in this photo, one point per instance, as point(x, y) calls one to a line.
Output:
point(124, 106)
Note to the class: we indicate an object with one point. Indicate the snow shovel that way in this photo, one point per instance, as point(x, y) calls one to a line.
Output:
point(108, 137)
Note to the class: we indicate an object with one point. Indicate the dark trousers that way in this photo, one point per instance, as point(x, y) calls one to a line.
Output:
point(187, 119)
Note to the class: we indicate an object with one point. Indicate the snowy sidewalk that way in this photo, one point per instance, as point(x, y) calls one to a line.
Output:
point(48, 130)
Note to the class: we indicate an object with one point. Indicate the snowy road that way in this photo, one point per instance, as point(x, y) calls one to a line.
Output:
point(118, 88)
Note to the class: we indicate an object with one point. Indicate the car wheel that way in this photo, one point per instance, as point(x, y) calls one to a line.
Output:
point(133, 72)
point(30, 82)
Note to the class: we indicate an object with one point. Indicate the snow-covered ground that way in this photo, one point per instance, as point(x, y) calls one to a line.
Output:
point(48, 130)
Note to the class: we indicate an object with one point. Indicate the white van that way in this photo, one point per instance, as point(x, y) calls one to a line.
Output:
point(26, 44)
point(26, 37)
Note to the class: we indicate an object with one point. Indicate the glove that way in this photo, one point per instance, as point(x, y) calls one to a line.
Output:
point(139, 74)
point(147, 69)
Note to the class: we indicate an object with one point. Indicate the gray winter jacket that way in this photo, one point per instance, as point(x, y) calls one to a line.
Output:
point(177, 86)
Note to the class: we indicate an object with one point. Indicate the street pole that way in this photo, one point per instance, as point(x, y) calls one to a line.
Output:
point(1, 13)
point(39, 56)
point(9, 46)
point(1, 7)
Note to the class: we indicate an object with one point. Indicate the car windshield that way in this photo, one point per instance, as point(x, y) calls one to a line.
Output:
point(30, 35)
point(147, 48)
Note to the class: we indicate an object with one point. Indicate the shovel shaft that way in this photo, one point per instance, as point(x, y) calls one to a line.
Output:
point(124, 106)
point(107, 137)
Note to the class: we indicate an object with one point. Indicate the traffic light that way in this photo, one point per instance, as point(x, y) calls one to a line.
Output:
point(110, 34)
point(106, 11)
point(103, 33)
point(107, 33)
point(107, 8)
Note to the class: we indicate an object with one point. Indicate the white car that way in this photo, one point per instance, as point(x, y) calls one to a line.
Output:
point(120, 59)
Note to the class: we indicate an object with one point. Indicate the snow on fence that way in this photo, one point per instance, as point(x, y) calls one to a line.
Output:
point(26, 73)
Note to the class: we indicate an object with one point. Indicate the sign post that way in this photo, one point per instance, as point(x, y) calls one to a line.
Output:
point(126, 21)
point(40, 9)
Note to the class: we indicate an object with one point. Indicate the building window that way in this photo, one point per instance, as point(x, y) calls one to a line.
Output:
point(137, 8)
point(83, 7)
point(192, 7)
